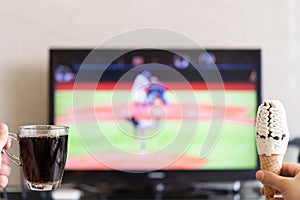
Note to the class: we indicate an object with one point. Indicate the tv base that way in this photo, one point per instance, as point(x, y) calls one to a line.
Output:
point(160, 191)
point(249, 190)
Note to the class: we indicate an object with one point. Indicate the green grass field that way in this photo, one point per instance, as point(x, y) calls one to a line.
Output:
point(234, 149)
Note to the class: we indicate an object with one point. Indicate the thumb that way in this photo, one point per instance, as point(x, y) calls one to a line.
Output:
point(270, 179)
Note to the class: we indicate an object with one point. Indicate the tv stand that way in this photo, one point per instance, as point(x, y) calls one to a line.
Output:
point(162, 191)
point(158, 191)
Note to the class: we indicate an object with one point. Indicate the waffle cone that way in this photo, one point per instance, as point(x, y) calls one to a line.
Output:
point(272, 164)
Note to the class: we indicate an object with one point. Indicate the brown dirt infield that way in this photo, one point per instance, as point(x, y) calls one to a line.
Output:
point(173, 112)
point(134, 162)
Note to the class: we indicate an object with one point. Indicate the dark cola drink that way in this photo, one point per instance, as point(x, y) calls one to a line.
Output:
point(43, 159)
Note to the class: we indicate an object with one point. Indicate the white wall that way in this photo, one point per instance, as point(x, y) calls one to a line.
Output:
point(29, 28)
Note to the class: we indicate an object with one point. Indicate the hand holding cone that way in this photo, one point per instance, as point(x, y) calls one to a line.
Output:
point(272, 137)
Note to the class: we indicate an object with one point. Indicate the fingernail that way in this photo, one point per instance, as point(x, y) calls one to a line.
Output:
point(260, 175)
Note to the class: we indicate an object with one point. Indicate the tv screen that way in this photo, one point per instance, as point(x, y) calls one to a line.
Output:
point(179, 111)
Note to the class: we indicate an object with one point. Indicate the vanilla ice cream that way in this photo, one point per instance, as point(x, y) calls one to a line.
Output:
point(272, 133)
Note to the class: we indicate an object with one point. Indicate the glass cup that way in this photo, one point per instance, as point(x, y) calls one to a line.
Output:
point(43, 153)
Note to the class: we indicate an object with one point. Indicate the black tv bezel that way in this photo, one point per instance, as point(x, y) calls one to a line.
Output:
point(165, 176)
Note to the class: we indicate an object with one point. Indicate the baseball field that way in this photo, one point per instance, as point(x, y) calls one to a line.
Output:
point(102, 136)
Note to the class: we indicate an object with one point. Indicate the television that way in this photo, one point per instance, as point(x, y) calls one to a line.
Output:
point(148, 116)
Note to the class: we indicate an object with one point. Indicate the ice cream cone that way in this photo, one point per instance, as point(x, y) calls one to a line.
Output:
point(273, 164)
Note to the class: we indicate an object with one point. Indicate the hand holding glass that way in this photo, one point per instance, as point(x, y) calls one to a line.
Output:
point(43, 153)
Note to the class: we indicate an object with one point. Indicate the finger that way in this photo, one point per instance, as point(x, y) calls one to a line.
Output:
point(3, 181)
point(262, 191)
point(270, 179)
point(8, 143)
point(5, 159)
point(3, 135)
point(5, 170)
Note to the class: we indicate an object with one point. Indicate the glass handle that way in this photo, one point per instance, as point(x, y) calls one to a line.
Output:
point(15, 159)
